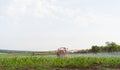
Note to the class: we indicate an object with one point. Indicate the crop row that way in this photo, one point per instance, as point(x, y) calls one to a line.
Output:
point(44, 63)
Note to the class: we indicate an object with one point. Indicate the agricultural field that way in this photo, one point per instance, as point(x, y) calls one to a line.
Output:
point(15, 62)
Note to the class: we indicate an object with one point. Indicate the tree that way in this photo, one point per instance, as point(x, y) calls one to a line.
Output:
point(112, 46)
point(95, 49)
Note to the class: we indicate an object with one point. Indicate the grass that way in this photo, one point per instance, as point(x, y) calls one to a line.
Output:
point(44, 63)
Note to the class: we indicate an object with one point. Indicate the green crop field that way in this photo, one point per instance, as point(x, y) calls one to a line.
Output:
point(54, 63)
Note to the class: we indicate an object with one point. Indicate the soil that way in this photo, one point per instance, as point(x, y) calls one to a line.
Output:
point(89, 68)
point(66, 68)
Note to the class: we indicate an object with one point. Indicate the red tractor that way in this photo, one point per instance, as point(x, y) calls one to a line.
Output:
point(61, 52)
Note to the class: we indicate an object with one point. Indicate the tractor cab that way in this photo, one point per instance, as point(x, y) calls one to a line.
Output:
point(61, 52)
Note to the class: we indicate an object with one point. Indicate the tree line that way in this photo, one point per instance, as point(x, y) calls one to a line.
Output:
point(109, 47)
point(13, 51)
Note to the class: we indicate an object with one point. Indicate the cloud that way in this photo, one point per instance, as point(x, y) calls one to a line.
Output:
point(22, 10)
point(37, 22)
point(46, 12)
point(37, 8)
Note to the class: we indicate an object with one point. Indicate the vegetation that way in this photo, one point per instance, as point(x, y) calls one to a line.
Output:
point(43, 63)
point(26, 61)
point(109, 47)
point(13, 51)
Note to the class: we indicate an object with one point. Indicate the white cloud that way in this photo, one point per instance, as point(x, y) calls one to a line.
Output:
point(19, 10)
point(108, 20)
point(29, 24)
point(22, 10)
point(50, 11)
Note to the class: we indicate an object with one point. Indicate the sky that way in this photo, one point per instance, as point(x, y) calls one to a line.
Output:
point(42, 25)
